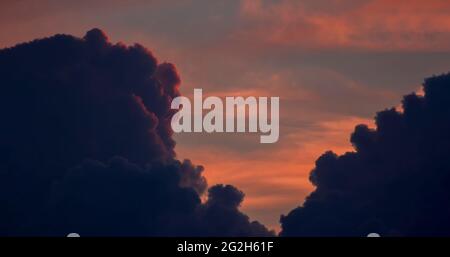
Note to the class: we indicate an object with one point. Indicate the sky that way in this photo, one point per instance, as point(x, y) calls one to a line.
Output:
point(332, 63)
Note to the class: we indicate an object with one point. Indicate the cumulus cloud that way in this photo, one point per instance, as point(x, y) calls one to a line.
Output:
point(220, 213)
point(396, 182)
point(86, 145)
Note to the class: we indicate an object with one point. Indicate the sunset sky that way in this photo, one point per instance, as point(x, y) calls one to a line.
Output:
point(333, 63)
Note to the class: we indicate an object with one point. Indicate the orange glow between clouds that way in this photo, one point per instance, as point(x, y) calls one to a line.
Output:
point(277, 178)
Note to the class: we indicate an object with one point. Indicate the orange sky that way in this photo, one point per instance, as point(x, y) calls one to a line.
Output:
point(333, 63)
point(275, 178)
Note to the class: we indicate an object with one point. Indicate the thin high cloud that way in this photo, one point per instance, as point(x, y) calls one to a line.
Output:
point(378, 25)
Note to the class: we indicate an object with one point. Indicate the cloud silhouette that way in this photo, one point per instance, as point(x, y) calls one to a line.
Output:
point(395, 183)
point(86, 145)
point(220, 213)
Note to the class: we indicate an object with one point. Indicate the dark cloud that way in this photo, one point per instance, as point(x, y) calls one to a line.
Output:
point(397, 182)
point(86, 146)
point(220, 213)
point(121, 199)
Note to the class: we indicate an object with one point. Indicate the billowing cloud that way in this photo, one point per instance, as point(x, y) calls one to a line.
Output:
point(220, 213)
point(396, 182)
point(86, 146)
